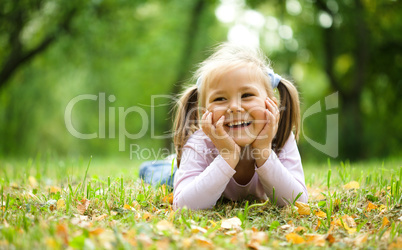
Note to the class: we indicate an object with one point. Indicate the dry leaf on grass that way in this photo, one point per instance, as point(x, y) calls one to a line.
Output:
point(32, 182)
point(385, 222)
point(371, 206)
point(320, 214)
point(61, 231)
point(303, 208)
point(83, 206)
point(315, 239)
point(99, 218)
point(168, 198)
point(361, 239)
point(232, 223)
point(61, 204)
point(294, 238)
point(96, 231)
point(164, 225)
point(352, 185)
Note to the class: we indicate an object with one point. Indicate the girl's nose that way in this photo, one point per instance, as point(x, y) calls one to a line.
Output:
point(235, 106)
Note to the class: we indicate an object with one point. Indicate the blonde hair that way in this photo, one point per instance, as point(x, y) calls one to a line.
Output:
point(226, 58)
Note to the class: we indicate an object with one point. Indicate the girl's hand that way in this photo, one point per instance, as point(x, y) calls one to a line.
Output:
point(263, 143)
point(226, 146)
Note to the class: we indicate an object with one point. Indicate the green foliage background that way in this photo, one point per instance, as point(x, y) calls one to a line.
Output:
point(136, 49)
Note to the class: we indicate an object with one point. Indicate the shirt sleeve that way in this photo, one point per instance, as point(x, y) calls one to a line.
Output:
point(285, 174)
point(199, 184)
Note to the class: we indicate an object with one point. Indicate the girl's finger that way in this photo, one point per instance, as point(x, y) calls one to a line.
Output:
point(219, 126)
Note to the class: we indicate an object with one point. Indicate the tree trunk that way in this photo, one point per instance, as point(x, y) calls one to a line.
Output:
point(185, 61)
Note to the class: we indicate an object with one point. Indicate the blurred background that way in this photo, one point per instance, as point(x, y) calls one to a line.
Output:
point(121, 53)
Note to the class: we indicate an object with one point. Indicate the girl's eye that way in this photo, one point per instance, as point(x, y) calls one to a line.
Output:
point(219, 99)
point(246, 95)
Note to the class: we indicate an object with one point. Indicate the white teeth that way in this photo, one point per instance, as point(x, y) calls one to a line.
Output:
point(231, 124)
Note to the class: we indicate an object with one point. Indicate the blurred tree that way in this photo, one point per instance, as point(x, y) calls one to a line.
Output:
point(357, 45)
point(28, 27)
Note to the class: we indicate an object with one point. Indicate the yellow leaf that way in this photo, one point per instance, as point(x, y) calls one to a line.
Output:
point(300, 229)
point(99, 218)
point(385, 222)
point(397, 244)
point(168, 198)
point(54, 189)
point(371, 206)
point(164, 225)
point(203, 242)
point(232, 223)
point(61, 204)
point(316, 239)
point(146, 216)
point(382, 207)
point(303, 208)
point(197, 229)
point(96, 231)
point(61, 231)
point(350, 222)
point(32, 181)
point(294, 238)
point(320, 214)
point(352, 185)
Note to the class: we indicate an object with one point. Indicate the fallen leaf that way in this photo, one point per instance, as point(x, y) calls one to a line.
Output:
point(203, 242)
point(330, 238)
point(127, 207)
point(100, 217)
point(361, 239)
point(315, 239)
point(352, 185)
point(147, 216)
point(164, 225)
point(197, 229)
point(303, 208)
point(385, 222)
point(300, 229)
point(349, 221)
point(145, 240)
point(294, 238)
point(397, 244)
point(61, 204)
point(168, 198)
point(32, 181)
point(61, 231)
point(96, 231)
point(83, 206)
point(320, 214)
point(54, 190)
point(318, 225)
point(163, 243)
point(371, 206)
point(186, 243)
point(232, 223)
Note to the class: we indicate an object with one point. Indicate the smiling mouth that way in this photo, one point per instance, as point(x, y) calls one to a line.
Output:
point(239, 124)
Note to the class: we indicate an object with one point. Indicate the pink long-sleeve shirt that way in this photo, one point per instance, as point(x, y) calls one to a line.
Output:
point(204, 176)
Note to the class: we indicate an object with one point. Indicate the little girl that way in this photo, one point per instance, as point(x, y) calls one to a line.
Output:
point(232, 136)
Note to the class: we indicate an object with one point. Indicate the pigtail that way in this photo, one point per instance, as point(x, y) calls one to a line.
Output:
point(289, 114)
point(186, 119)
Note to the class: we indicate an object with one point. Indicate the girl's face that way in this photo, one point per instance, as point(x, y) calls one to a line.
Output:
point(240, 97)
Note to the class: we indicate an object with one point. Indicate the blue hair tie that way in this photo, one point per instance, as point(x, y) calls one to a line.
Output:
point(275, 79)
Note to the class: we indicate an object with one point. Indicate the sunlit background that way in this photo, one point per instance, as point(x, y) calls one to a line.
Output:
point(141, 53)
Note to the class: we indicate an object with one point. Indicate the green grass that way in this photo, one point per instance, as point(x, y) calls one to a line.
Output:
point(43, 206)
